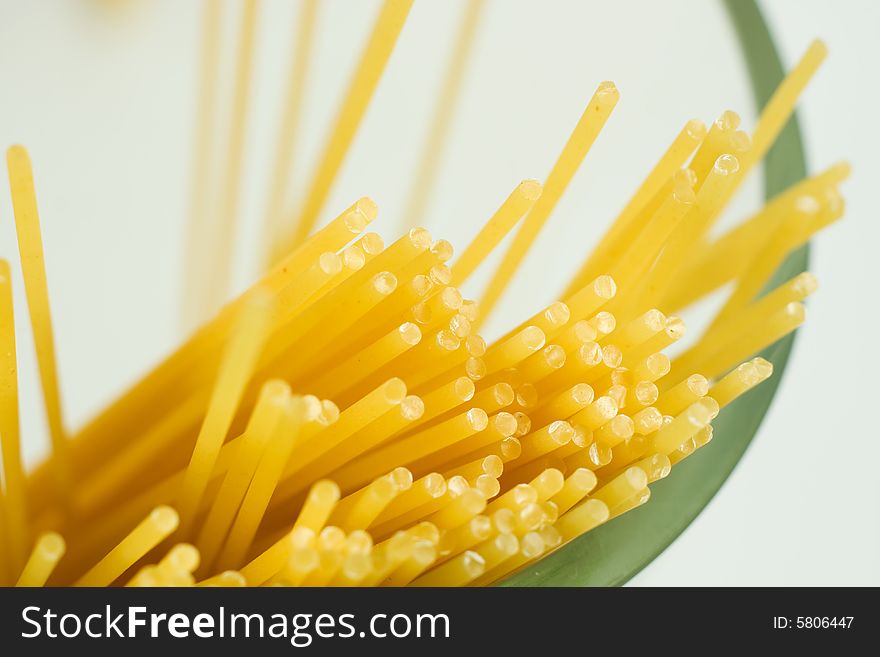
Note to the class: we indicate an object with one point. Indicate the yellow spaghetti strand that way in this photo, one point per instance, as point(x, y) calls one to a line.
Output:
point(781, 104)
point(198, 211)
point(48, 550)
point(520, 201)
point(235, 371)
point(265, 478)
point(579, 142)
point(288, 134)
point(352, 109)
point(273, 400)
point(444, 111)
point(609, 248)
point(15, 522)
point(30, 246)
point(223, 237)
point(148, 534)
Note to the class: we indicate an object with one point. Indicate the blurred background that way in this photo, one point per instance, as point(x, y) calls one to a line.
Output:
point(102, 93)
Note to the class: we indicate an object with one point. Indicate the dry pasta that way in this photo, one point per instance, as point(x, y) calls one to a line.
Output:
point(343, 423)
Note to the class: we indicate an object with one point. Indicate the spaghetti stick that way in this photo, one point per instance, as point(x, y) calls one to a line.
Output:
point(595, 415)
point(615, 431)
point(587, 301)
point(47, 552)
point(15, 522)
point(651, 368)
point(223, 233)
point(596, 456)
point(445, 398)
point(430, 487)
point(494, 398)
point(515, 349)
point(577, 368)
point(288, 133)
point(640, 253)
point(685, 425)
point(422, 556)
point(755, 338)
point(492, 465)
point(516, 498)
point(333, 237)
point(548, 483)
point(226, 579)
point(700, 439)
point(455, 541)
point(464, 507)
point(411, 449)
point(177, 566)
point(235, 371)
point(674, 330)
point(459, 571)
point(716, 143)
point(796, 289)
point(576, 334)
point(331, 543)
point(690, 231)
point(564, 405)
point(198, 272)
point(30, 248)
point(577, 485)
point(498, 428)
point(499, 225)
point(794, 232)
point(321, 500)
point(497, 550)
point(656, 466)
point(647, 421)
point(529, 470)
point(542, 363)
point(444, 110)
point(161, 522)
point(740, 380)
point(532, 546)
point(545, 440)
point(366, 361)
point(319, 504)
point(350, 307)
point(352, 109)
point(345, 438)
point(326, 268)
point(455, 486)
point(354, 569)
point(679, 397)
point(396, 420)
point(369, 504)
point(635, 500)
point(778, 109)
point(5, 561)
point(585, 132)
point(719, 262)
point(640, 330)
point(387, 556)
point(624, 485)
point(274, 398)
point(604, 255)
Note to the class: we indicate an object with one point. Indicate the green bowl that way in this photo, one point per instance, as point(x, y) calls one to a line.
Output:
point(615, 552)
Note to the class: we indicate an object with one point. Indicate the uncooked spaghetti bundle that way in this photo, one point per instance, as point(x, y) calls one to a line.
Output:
point(343, 422)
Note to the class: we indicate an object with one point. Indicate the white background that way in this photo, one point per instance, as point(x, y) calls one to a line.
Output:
point(102, 95)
